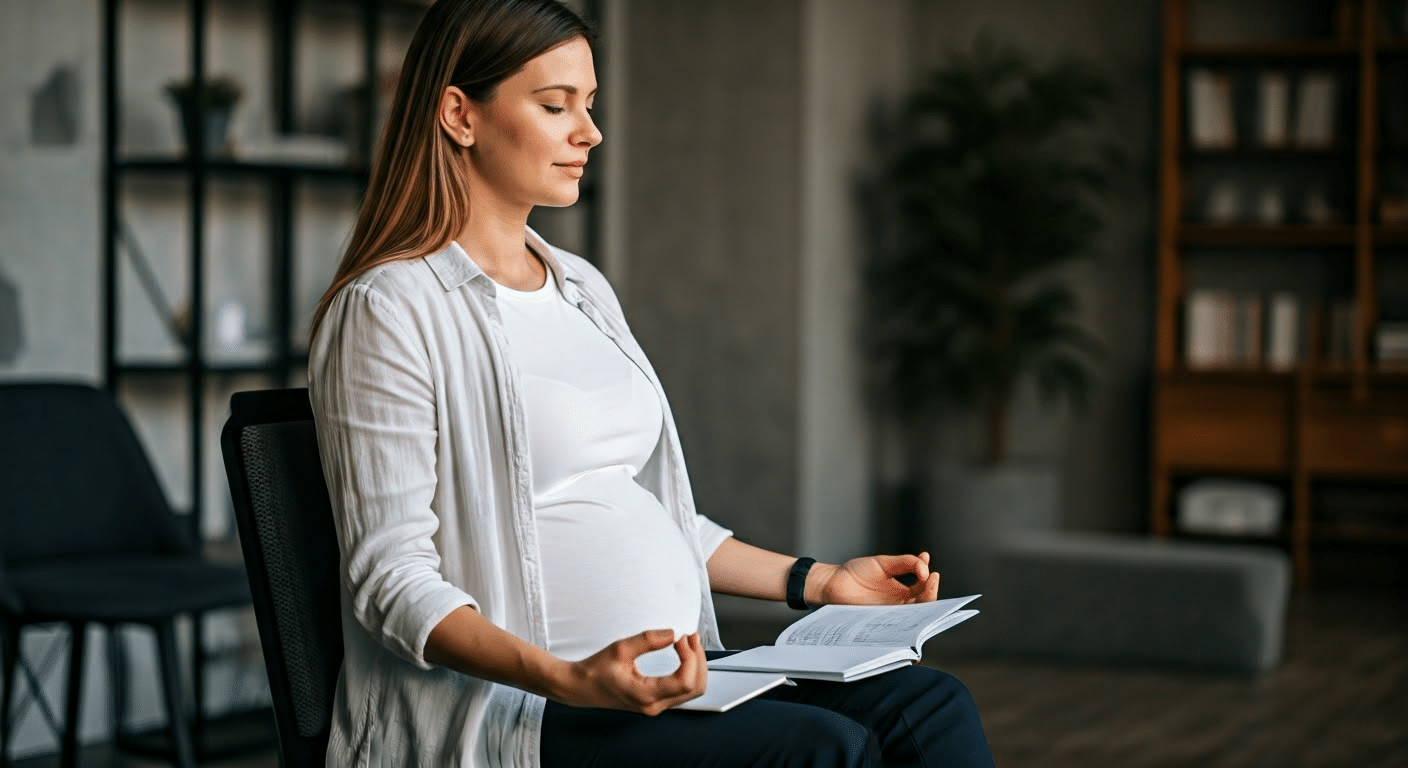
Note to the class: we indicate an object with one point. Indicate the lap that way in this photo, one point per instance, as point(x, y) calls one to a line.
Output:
point(913, 716)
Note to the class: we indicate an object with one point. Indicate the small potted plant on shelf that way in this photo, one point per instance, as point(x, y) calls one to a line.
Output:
point(985, 196)
point(218, 95)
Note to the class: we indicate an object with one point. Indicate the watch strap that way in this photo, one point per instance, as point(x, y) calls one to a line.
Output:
point(797, 583)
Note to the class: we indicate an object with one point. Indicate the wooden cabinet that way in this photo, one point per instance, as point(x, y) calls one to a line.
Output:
point(1288, 192)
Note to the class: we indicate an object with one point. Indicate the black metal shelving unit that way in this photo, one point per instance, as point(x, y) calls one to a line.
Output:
point(195, 368)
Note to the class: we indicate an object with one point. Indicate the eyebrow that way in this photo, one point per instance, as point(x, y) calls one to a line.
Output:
point(572, 89)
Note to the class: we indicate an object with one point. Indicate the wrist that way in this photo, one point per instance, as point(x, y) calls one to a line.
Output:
point(538, 671)
point(559, 679)
point(815, 589)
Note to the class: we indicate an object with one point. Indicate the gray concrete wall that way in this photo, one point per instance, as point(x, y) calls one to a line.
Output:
point(1101, 454)
point(712, 208)
point(853, 58)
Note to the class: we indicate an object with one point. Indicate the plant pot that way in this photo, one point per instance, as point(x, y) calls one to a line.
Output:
point(216, 130)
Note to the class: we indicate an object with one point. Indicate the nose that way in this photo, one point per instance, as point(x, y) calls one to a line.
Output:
point(587, 134)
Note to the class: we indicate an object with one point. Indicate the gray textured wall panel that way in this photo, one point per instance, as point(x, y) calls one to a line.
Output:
point(713, 211)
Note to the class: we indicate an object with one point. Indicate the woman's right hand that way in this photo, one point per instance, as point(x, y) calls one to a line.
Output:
point(609, 678)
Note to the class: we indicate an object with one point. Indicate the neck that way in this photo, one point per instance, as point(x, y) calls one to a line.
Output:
point(494, 239)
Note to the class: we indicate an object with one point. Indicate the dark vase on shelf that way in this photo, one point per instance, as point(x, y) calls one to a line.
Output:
point(220, 96)
point(217, 130)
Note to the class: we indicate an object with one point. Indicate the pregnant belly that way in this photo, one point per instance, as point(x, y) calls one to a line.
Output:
point(614, 565)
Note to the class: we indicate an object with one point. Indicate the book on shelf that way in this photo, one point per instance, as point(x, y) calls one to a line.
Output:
point(1223, 329)
point(1315, 110)
point(1391, 333)
point(1200, 329)
point(1339, 332)
point(1273, 90)
point(1211, 124)
point(1391, 343)
point(1283, 332)
point(842, 643)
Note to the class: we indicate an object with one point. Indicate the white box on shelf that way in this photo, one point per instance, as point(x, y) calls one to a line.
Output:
point(1229, 508)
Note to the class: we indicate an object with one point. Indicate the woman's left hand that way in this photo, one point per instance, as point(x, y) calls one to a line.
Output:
point(871, 581)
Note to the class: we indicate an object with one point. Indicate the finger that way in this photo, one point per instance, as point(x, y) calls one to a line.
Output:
point(924, 591)
point(932, 590)
point(647, 641)
point(897, 565)
point(703, 663)
point(694, 667)
point(921, 567)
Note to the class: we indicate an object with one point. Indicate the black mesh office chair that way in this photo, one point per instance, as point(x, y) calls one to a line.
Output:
point(87, 537)
point(291, 556)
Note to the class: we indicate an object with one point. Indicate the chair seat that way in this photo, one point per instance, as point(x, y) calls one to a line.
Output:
point(129, 588)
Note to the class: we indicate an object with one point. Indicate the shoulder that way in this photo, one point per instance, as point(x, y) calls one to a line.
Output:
point(399, 279)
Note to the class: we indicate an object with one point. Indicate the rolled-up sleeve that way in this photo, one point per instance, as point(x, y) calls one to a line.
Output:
point(709, 534)
point(374, 401)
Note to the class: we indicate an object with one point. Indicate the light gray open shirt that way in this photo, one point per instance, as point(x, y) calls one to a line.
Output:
point(420, 422)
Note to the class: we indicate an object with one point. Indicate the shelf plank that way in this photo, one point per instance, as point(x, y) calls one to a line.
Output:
point(1391, 235)
point(235, 167)
point(1255, 152)
point(1293, 235)
point(1228, 376)
point(1224, 50)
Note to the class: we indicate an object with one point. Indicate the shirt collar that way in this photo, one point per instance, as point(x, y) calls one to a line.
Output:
point(453, 267)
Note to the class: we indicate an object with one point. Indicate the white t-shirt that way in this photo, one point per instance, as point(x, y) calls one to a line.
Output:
point(614, 563)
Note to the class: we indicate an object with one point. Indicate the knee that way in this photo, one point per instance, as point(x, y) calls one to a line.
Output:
point(835, 741)
point(938, 686)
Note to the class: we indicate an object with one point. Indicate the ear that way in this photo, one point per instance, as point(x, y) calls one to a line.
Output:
point(457, 116)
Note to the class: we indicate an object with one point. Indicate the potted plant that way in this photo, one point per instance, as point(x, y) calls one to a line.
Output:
point(216, 97)
point(986, 193)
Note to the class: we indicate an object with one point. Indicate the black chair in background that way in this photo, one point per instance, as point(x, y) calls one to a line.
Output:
point(87, 537)
point(291, 557)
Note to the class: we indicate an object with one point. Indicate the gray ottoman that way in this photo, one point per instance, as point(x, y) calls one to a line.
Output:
point(1126, 599)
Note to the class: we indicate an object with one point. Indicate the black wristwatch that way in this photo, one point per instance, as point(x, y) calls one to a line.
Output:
point(797, 583)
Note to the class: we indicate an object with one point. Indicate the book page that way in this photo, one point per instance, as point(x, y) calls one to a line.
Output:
point(896, 626)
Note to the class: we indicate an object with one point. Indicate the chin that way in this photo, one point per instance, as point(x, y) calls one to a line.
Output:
point(561, 198)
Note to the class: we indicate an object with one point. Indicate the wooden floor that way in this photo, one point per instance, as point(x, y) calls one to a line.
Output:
point(1339, 699)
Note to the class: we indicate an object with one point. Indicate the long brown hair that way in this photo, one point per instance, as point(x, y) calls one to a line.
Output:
point(417, 198)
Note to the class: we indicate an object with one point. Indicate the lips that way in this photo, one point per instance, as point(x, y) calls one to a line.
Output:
point(575, 169)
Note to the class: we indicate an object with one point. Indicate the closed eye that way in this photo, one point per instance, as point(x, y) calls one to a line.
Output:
point(552, 110)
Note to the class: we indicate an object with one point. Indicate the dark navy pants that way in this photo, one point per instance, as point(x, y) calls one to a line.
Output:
point(910, 717)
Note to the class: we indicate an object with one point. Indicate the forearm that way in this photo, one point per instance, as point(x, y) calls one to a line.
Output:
point(742, 569)
point(467, 642)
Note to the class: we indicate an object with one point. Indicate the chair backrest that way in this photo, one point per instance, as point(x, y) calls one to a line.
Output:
point(291, 556)
point(75, 480)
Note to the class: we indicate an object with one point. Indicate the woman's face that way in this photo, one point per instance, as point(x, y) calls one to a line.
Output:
point(530, 141)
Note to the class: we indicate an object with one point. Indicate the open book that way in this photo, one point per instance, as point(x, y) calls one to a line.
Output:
point(851, 642)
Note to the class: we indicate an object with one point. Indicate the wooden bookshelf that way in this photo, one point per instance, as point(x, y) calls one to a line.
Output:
point(1343, 420)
